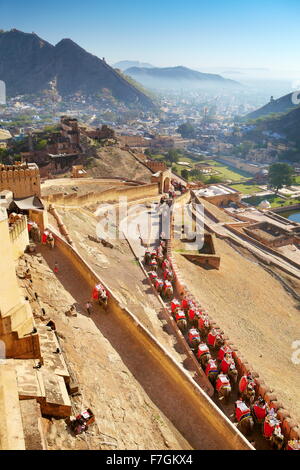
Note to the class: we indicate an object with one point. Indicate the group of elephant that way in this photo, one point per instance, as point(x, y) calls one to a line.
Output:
point(251, 411)
point(155, 259)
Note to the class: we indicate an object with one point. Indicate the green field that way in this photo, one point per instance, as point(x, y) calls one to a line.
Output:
point(297, 179)
point(274, 200)
point(228, 172)
point(225, 172)
point(246, 188)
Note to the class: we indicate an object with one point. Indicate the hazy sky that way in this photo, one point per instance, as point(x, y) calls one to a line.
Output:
point(196, 33)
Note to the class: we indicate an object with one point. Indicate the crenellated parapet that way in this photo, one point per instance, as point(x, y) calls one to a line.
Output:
point(23, 180)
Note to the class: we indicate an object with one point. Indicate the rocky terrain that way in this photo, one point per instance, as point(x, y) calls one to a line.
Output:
point(115, 162)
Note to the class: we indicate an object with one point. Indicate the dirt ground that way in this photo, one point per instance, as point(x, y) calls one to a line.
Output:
point(80, 187)
point(120, 392)
point(256, 312)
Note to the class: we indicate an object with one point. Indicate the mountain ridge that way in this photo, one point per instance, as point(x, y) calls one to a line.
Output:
point(28, 63)
point(178, 76)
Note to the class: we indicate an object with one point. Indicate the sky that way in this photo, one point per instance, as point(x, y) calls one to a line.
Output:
point(204, 35)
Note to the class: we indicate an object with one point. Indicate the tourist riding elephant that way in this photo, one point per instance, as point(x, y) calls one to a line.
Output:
point(228, 367)
point(223, 387)
point(153, 264)
point(259, 410)
point(194, 338)
point(215, 339)
point(203, 354)
point(167, 290)
point(181, 320)
point(169, 275)
point(175, 306)
point(204, 325)
point(249, 394)
point(272, 430)
point(147, 257)
point(159, 284)
point(193, 317)
point(243, 417)
point(211, 371)
point(166, 264)
point(247, 388)
point(277, 439)
point(50, 240)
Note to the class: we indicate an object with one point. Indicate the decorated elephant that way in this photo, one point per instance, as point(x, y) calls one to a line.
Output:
point(259, 410)
point(211, 371)
point(227, 366)
point(204, 325)
point(167, 291)
point(194, 338)
point(244, 417)
point(223, 387)
point(147, 257)
point(181, 320)
point(215, 339)
point(203, 354)
point(272, 430)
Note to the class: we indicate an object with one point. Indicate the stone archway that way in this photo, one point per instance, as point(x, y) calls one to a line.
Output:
point(163, 178)
point(166, 185)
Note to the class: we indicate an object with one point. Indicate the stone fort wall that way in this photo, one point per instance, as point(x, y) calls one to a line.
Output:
point(23, 181)
point(110, 195)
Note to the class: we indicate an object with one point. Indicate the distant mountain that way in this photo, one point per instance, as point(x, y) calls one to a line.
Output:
point(28, 64)
point(281, 105)
point(126, 64)
point(179, 78)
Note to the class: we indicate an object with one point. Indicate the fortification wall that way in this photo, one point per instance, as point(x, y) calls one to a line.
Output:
point(23, 182)
point(224, 199)
point(110, 195)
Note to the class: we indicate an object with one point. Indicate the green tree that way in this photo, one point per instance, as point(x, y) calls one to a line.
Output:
point(186, 130)
point(185, 174)
point(42, 144)
point(214, 179)
point(173, 155)
point(280, 174)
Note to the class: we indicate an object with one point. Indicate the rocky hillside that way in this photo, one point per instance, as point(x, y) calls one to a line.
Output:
point(287, 124)
point(114, 162)
point(281, 105)
point(28, 64)
point(178, 78)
